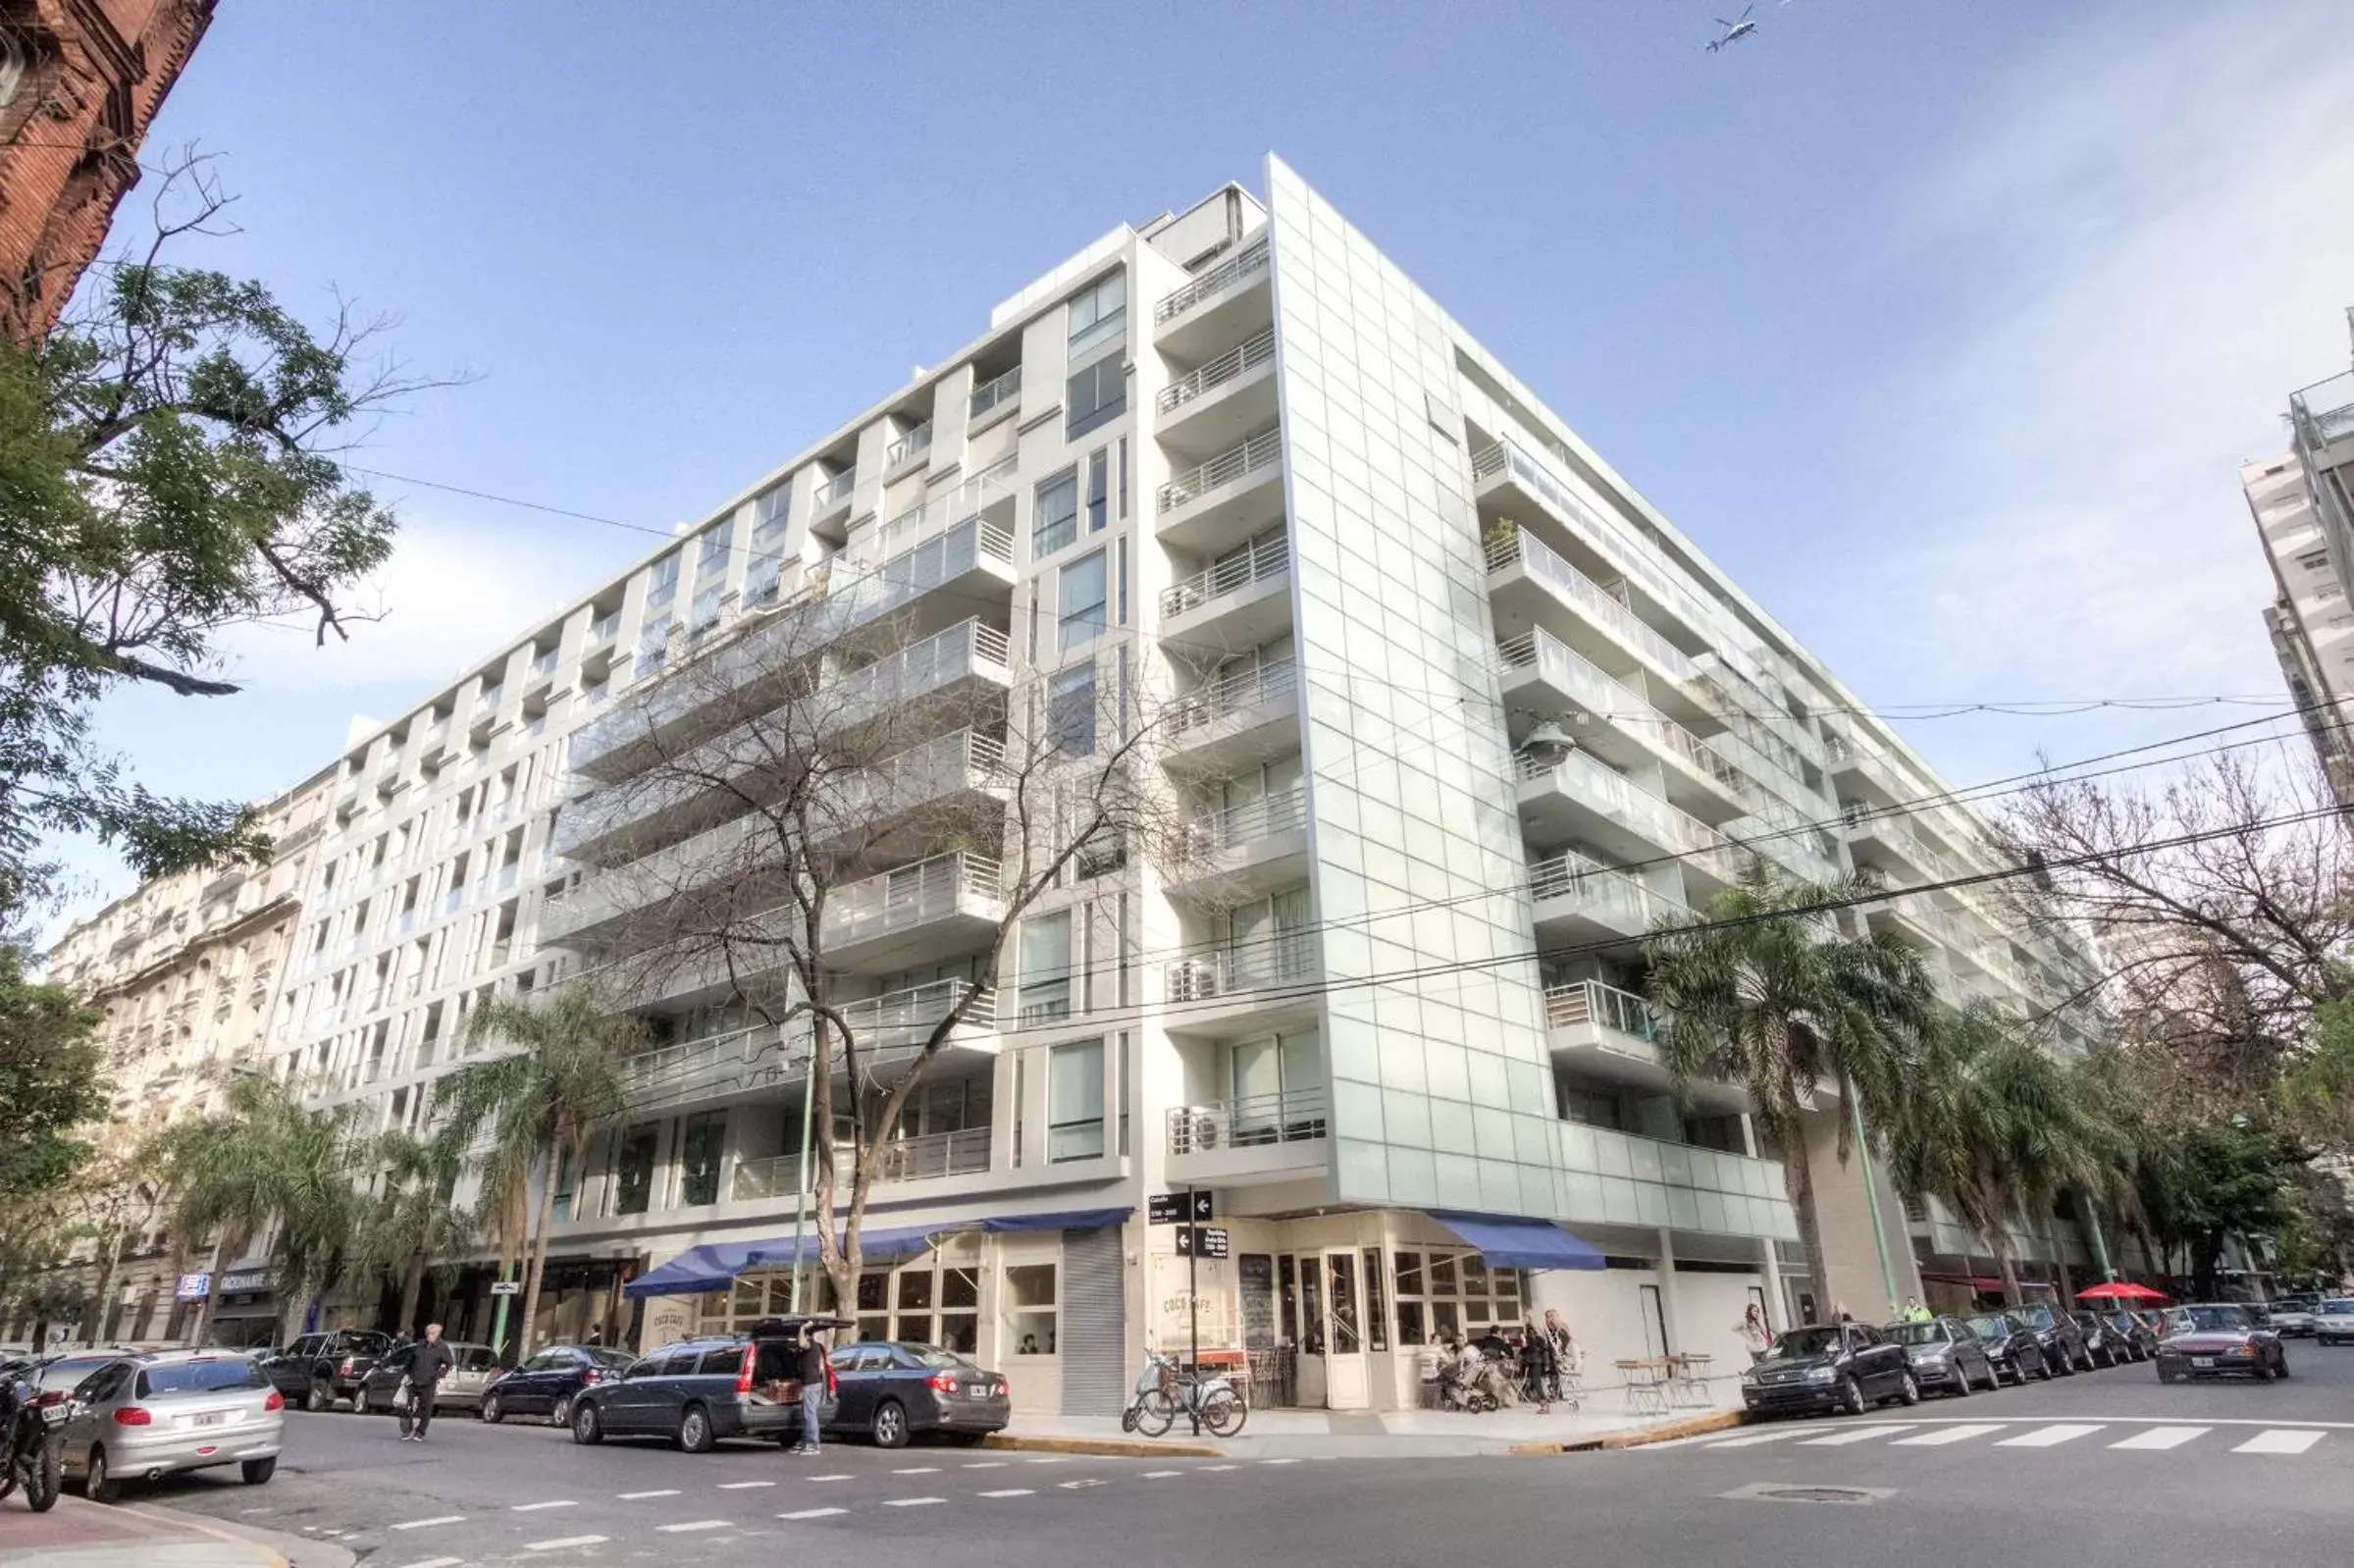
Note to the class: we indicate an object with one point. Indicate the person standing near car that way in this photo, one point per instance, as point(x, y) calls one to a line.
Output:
point(426, 1370)
point(1755, 1334)
point(813, 1387)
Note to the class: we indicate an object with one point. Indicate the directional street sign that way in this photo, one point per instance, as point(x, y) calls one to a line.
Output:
point(1166, 1208)
point(507, 1287)
point(1201, 1204)
point(1201, 1241)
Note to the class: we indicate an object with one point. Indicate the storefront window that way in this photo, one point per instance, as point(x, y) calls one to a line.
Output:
point(1377, 1322)
point(701, 1139)
point(1443, 1293)
point(633, 1169)
point(1032, 1308)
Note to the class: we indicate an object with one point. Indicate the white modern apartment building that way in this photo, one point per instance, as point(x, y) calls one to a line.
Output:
point(2303, 505)
point(1464, 716)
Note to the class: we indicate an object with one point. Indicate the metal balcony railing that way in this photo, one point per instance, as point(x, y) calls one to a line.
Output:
point(2324, 412)
point(943, 511)
point(1285, 960)
point(1630, 554)
point(1611, 894)
point(1295, 1116)
point(1261, 450)
point(605, 628)
point(1248, 355)
point(916, 439)
point(1243, 690)
point(1617, 797)
point(1244, 263)
point(930, 1157)
point(1515, 547)
point(912, 896)
point(1605, 693)
point(1213, 834)
point(835, 491)
point(993, 393)
point(919, 773)
point(1592, 1002)
point(1254, 564)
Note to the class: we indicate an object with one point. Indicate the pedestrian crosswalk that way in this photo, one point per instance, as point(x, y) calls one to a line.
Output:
point(2129, 1437)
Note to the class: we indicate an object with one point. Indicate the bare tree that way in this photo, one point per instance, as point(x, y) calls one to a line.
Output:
point(779, 807)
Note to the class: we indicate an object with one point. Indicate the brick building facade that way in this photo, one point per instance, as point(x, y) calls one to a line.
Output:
point(80, 82)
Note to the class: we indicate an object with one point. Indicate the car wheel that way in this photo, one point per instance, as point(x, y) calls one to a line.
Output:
point(96, 1484)
point(2264, 1369)
point(1909, 1391)
point(2166, 1374)
point(1961, 1381)
point(320, 1399)
point(560, 1414)
point(890, 1425)
point(587, 1426)
point(489, 1410)
point(258, 1470)
point(1850, 1396)
point(2281, 1367)
point(694, 1429)
point(2043, 1369)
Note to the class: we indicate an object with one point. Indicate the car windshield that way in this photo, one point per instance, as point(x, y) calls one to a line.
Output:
point(933, 1356)
point(66, 1373)
point(607, 1358)
point(201, 1377)
point(2339, 1305)
point(1917, 1334)
point(2209, 1320)
point(1798, 1343)
point(1990, 1327)
point(2040, 1317)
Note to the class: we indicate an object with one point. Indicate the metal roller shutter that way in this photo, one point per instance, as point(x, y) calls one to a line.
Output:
point(1094, 1320)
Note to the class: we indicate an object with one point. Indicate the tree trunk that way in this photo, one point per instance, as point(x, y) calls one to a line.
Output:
point(411, 1286)
point(204, 1308)
point(2006, 1266)
point(538, 1255)
point(1798, 1181)
point(107, 1276)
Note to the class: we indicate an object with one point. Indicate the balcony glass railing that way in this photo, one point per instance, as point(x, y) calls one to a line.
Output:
point(929, 1157)
point(1627, 551)
point(915, 442)
point(836, 491)
point(605, 628)
point(1244, 264)
point(1209, 836)
point(1256, 562)
point(1515, 547)
point(1282, 961)
point(1248, 355)
point(1605, 693)
point(1618, 798)
point(995, 393)
point(1611, 896)
point(1237, 692)
point(1591, 1002)
point(1260, 452)
point(1255, 1121)
point(913, 896)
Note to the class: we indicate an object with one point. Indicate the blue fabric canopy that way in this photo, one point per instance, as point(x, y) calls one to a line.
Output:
point(1511, 1243)
point(713, 1266)
point(1061, 1219)
point(698, 1271)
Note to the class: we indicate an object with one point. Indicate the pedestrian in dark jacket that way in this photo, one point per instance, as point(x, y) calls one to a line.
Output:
point(430, 1364)
point(1539, 1364)
point(812, 1388)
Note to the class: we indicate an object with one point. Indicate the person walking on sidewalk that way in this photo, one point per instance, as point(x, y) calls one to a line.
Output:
point(1755, 1334)
point(426, 1370)
point(1540, 1366)
point(812, 1388)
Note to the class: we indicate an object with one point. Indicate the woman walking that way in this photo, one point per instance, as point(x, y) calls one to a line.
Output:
point(1755, 1334)
point(1540, 1365)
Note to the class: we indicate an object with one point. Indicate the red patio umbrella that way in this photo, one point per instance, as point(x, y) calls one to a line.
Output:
point(2120, 1290)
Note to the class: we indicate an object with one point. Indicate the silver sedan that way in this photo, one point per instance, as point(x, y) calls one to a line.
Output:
point(148, 1416)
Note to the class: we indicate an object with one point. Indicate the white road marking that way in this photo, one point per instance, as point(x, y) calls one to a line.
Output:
point(1854, 1435)
point(561, 1542)
point(743, 1486)
point(636, 1496)
point(1158, 1475)
point(912, 1502)
point(1278, 1461)
point(1074, 1486)
point(2049, 1436)
point(1052, 1459)
point(1222, 1467)
point(1756, 1438)
point(1011, 1492)
point(535, 1507)
point(2163, 1437)
point(811, 1513)
point(437, 1562)
point(2282, 1439)
point(691, 1526)
point(986, 1464)
point(1945, 1435)
point(437, 1519)
point(919, 1470)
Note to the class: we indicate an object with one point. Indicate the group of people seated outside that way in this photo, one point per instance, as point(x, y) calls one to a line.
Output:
point(1531, 1363)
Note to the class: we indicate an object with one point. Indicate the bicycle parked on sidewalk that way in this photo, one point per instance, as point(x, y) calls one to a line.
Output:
point(1167, 1392)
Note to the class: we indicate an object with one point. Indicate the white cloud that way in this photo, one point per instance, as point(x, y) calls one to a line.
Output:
point(2150, 242)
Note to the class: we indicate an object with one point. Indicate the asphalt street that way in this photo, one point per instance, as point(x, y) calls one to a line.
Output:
point(2104, 1468)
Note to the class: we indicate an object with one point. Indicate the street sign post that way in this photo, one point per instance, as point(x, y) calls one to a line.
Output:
point(507, 1287)
point(1186, 1210)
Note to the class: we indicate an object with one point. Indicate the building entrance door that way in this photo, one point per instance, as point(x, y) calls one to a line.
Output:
point(1347, 1375)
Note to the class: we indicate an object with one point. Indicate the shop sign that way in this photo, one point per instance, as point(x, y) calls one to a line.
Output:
point(193, 1288)
point(245, 1280)
point(1179, 1208)
point(507, 1287)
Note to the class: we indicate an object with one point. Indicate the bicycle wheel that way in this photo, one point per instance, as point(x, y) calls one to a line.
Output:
point(1225, 1414)
point(1156, 1413)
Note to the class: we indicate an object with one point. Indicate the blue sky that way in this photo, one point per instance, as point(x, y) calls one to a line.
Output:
point(1943, 328)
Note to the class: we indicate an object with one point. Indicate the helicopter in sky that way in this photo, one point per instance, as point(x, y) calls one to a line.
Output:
point(1738, 29)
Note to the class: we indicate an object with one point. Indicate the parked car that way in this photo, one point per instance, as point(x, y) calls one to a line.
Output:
point(699, 1393)
point(2102, 1347)
point(545, 1384)
point(2334, 1320)
point(319, 1368)
point(890, 1389)
point(143, 1417)
point(1836, 1366)
point(1947, 1357)
point(2011, 1347)
point(60, 1374)
point(386, 1387)
point(2062, 1340)
point(2219, 1339)
point(2136, 1338)
point(2291, 1318)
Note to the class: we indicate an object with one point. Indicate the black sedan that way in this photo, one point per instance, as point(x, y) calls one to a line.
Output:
point(2135, 1339)
point(544, 1385)
point(890, 1389)
point(2012, 1348)
point(1833, 1366)
point(2062, 1340)
point(2102, 1347)
point(1947, 1357)
point(2219, 1340)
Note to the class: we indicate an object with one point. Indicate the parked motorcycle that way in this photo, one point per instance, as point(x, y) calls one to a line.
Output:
point(33, 1443)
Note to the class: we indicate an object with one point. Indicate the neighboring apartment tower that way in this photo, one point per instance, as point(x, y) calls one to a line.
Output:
point(188, 971)
point(80, 82)
point(2311, 623)
point(1461, 715)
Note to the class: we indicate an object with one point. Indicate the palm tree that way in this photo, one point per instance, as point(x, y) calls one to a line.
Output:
point(415, 1224)
point(262, 1161)
point(1766, 993)
point(535, 1108)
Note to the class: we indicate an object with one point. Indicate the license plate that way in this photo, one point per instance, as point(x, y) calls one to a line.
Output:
point(208, 1418)
point(978, 1390)
point(2202, 1361)
point(53, 1413)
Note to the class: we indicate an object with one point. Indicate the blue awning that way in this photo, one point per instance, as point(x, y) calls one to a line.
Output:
point(699, 1270)
point(1061, 1219)
point(877, 1246)
point(1510, 1243)
point(713, 1266)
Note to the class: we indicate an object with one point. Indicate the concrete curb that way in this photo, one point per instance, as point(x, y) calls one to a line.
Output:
point(291, 1551)
point(1105, 1447)
point(1642, 1437)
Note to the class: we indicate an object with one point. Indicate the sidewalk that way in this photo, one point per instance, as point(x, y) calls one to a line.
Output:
point(86, 1535)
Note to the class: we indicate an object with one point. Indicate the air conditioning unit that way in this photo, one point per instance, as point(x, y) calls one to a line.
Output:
point(1202, 1129)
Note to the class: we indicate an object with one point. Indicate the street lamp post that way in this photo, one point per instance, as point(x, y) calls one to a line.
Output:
point(801, 1187)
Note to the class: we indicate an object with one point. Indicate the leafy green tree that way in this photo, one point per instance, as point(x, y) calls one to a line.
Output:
point(50, 1082)
point(2227, 1178)
point(2316, 1094)
point(528, 1114)
point(1766, 992)
point(414, 1225)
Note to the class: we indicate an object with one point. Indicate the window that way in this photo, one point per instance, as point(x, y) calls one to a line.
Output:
point(706, 614)
point(701, 1140)
point(633, 1169)
point(1099, 491)
point(1099, 315)
point(661, 582)
point(710, 552)
point(764, 579)
point(1071, 709)
point(1055, 515)
point(1046, 972)
point(1276, 1085)
point(1442, 1293)
point(771, 509)
point(1030, 1315)
point(1096, 397)
point(1074, 1101)
point(2314, 560)
point(654, 645)
point(1080, 610)
point(1589, 1108)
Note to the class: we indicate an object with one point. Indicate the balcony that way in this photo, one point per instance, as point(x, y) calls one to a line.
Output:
point(1883, 841)
point(830, 499)
point(1259, 1136)
point(1249, 715)
point(1618, 723)
point(1576, 796)
point(1239, 602)
point(1221, 402)
point(1225, 500)
point(1615, 1178)
point(933, 1157)
point(1244, 851)
point(1268, 983)
point(1605, 1034)
point(919, 913)
point(993, 400)
point(902, 454)
point(1217, 305)
point(1508, 479)
point(1580, 901)
point(1533, 585)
